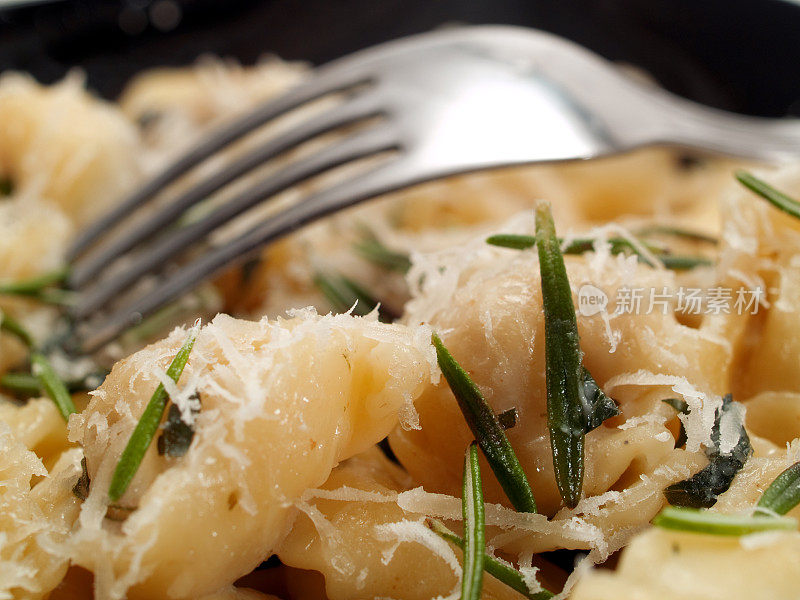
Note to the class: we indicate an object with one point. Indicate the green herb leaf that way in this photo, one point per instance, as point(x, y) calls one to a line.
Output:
point(597, 406)
point(575, 245)
point(682, 407)
point(778, 199)
point(677, 262)
point(177, 435)
point(706, 521)
point(343, 294)
point(371, 248)
point(511, 240)
point(52, 384)
point(24, 384)
point(147, 426)
point(566, 418)
point(678, 232)
point(619, 245)
point(497, 569)
point(474, 529)
point(81, 487)
point(488, 432)
point(783, 494)
point(702, 489)
point(508, 418)
point(31, 287)
point(12, 326)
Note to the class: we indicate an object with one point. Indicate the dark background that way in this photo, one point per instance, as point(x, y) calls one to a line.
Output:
point(742, 55)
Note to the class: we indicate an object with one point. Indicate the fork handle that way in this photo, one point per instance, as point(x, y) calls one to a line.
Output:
point(675, 121)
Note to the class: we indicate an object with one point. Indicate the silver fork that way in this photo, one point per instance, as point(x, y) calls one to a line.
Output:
point(447, 102)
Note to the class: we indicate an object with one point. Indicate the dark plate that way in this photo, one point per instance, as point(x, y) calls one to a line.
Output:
point(741, 55)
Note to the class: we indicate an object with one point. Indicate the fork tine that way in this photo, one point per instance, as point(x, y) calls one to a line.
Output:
point(154, 259)
point(86, 269)
point(327, 82)
point(373, 183)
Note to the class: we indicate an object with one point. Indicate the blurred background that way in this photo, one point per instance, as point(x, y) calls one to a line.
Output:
point(740, 55)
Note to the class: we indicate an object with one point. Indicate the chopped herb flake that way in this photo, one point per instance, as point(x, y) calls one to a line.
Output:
point(597, 406)
point(488, 432)
point(508, 418)
point(81, 487)
point(683, 408)
point(702, 489)
point(177, 435)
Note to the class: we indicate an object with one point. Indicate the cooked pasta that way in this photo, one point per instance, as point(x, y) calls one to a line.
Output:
point(319, 453)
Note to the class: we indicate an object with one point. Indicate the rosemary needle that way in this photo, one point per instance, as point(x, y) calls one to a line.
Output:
point(28, 287)
point(783, 494)
point(565, 412)
point(371, 248)
point(778, 199)
point(499, 570)
point(618, 246)
point(474, 529)
point(147, 426)
point(679, 232)
point(488, 431)
point(12, 326)
point(706, 521)
point(52, 384)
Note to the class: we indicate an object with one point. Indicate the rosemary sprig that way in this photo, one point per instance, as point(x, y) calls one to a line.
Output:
point(619, 245)
point(12, 326)
point(40, 287)
point(488, 431)
point(512, 240)
point(147, 426)
point(778, 199)
point(679, 232)
point(497, 569)
point(705, 521)
point(474, 529)
point(565, 413)
point(783, 494)
point(343, 294)
point(680, 262)
point(28, 384)
point(41, 370)
point(683, 408)
point(52, 384)
point(25, 384)
point(371, 248)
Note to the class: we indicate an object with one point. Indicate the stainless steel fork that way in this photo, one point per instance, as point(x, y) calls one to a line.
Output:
point(447, 102)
